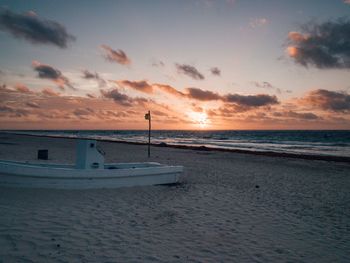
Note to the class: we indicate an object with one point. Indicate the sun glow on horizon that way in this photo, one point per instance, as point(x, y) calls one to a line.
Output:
point(199, 119)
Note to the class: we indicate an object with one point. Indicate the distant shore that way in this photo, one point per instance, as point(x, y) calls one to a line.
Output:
point(330, 158)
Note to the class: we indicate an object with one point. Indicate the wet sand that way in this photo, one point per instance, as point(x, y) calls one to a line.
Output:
point(230, 207)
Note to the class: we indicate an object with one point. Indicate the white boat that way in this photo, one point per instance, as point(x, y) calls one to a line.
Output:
point(88, 172)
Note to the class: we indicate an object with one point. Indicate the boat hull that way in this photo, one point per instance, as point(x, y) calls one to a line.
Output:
point(67, 177)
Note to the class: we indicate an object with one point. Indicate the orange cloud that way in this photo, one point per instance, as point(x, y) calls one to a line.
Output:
point(12, 111)
point(292, 51)
point(22, 88)
point(49, 92)
point(113, 110)
point(30, 110)
point(247, 101)
point(169, 89)
point(297, 37)
point(142, 85)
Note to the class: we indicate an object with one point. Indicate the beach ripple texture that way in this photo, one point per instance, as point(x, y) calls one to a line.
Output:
point(229, 208)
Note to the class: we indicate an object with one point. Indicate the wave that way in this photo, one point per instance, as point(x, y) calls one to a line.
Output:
point(299, 142)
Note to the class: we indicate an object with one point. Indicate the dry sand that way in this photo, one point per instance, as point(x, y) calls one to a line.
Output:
point(230, 207)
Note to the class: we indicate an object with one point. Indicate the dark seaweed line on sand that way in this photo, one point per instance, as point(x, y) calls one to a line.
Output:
point(204, 148)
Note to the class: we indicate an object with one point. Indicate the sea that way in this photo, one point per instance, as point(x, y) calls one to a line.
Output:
point(309, 142)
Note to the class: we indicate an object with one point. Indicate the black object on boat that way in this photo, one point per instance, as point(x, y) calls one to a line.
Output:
point(43, 154)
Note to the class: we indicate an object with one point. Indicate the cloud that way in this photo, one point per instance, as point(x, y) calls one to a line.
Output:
point(48, 72)
point(117, 56)
point(158, 63)
point(328, 100)
point(347, 2)
point(4, 88)
point(266, 85)
point(196, 108)
point(142, 85)
point(49, 92)
point(275, 115)
point(34, 29)
point(49, 109)
point(296, 115)
point(324, 46)
point(169, 89)
point(203, 95)
point(228, 110)
point(251, 100)
point(14, 112)
point(246, 101)
point(159, 113)
point(189, 71)
point(125, 100)
point(32, 104)
point(95, 76)
point(5, 108)
point(118, 114)
point(89, 75)
point(215, 71)
point(118, 97)
point(83, 113)
point(112, 109)
point(190, 93)
point(22, 88)
point(91, 96)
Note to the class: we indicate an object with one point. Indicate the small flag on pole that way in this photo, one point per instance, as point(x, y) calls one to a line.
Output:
point(147, 115)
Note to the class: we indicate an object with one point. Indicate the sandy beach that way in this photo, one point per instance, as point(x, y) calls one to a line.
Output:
point(230, 207)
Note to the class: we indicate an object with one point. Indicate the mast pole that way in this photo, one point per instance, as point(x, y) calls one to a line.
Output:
point(149, 134)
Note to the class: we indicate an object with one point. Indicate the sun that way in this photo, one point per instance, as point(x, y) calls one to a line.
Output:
point(199, 118)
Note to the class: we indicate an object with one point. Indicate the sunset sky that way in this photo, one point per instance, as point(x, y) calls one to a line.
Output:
point(196, 64)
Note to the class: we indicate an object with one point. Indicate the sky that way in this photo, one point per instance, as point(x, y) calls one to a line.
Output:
point(195, 64)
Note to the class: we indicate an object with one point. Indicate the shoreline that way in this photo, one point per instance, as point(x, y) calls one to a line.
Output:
point(329, 158)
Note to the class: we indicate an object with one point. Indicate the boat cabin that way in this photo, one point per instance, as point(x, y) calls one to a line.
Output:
point(88, 155)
